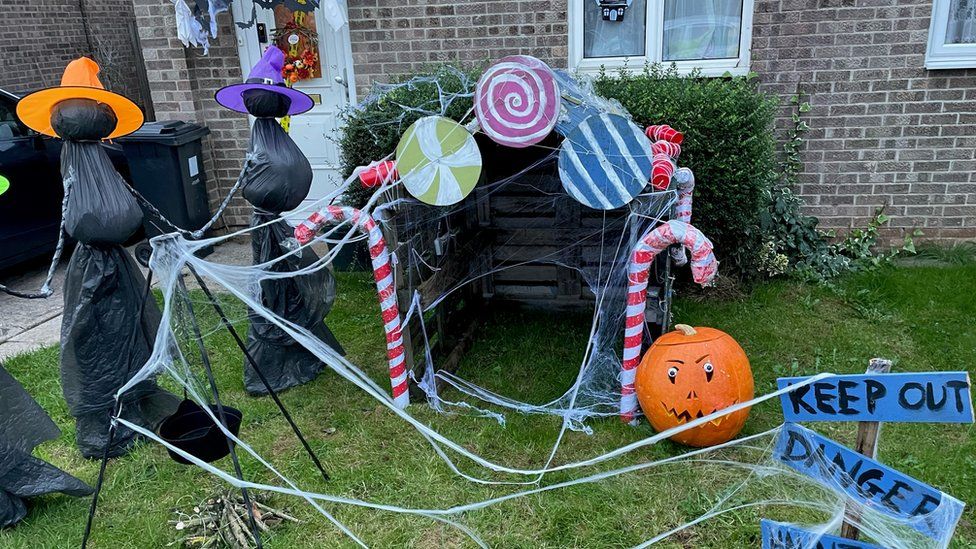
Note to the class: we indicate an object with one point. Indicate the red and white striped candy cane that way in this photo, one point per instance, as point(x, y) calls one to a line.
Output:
point(703, 270)
point(383, 274)
point(682, 211)
point(662, 168)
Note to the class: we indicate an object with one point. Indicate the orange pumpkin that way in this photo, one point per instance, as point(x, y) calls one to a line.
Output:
point(690, 373)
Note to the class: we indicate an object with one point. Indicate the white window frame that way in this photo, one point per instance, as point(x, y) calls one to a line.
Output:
point(938, 54)
point(654, 45)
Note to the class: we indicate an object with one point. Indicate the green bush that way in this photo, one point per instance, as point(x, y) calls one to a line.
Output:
point(372, 129)
point(729, 144)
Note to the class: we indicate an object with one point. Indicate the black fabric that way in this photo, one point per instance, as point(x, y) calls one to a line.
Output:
point(304, 300)
point(104, 342)
point(100, 208)
point(280, 176)
point(24, 425)
point(109, 325)
point(83, 120)
point(266, 103)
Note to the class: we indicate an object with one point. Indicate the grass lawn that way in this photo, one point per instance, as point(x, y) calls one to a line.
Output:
point(920, 316)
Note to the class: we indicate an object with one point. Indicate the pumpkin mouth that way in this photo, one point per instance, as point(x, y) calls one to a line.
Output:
point(685, 416)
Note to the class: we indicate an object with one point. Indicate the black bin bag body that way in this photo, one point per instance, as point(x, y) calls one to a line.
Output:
point(110, 321)
point(23, 426)
point(279, 179)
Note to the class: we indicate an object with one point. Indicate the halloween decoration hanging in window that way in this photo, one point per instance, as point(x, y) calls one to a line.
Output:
point(613, 10)
point(690, 373)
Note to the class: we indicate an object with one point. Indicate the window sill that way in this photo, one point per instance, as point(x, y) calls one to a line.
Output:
point(708, 68)
point(962, 62)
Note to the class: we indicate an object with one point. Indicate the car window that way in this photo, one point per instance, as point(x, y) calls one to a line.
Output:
point(10, 127)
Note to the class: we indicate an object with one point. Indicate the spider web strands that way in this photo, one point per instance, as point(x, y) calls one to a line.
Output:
point(607, 237)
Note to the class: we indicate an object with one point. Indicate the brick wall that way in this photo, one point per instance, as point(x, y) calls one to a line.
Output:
point(885, 131)
point(39, 37)
point(392, 37)
point(183, 82)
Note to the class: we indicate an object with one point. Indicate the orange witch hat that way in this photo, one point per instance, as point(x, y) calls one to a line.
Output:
point(80, 81)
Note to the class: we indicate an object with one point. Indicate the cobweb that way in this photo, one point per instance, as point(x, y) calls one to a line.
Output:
point(737, 476)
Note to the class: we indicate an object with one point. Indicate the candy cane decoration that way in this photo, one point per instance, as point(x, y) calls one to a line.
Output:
point(682, 211)
point(378, 172)
point(703, 270)
point(385, 288)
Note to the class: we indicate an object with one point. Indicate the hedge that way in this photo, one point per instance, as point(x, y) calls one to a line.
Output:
point(729, 144)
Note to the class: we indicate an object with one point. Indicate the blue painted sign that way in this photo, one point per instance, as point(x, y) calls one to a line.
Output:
point(779, 535)
point(936, 397)
point(605, 161)
point(868, 482)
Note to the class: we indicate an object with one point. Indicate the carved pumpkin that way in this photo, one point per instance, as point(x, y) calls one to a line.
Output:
point(690, 373)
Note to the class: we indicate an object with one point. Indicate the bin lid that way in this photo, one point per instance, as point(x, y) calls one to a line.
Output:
point(172, 133)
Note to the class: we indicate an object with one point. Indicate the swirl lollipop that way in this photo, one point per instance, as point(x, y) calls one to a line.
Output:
point(517, 101)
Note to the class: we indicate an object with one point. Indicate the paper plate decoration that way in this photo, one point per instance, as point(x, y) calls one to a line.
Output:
point(79, 81)
point(4, 184)
point(690, 373)
point(517, 101)
point(605, 161)
point(438, 161)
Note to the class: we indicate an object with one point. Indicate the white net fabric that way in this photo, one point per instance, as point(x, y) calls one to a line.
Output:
point(740, 476)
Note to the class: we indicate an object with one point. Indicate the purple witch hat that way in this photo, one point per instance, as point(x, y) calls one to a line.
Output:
point(265, 75)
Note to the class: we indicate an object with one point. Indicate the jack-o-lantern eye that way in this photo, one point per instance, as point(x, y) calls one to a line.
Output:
point(709, 370)
point(672, 374)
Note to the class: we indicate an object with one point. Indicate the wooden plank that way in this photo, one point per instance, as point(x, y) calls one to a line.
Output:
point(866, 444)
point(922, 397)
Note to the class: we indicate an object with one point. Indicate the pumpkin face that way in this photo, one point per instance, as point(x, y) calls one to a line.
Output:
point(690, 373)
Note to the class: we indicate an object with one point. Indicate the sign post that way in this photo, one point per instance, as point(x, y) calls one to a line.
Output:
point(867, 445)
point(869, 399)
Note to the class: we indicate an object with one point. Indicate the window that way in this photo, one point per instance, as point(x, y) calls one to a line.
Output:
point(952, 35)
point(711, 35)
point(10, 126)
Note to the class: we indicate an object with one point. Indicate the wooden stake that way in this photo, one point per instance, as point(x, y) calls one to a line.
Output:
point(867, 445)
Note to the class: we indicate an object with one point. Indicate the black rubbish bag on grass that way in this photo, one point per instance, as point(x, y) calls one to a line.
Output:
point(23, 426)
point(278, 180)
point(110, 321)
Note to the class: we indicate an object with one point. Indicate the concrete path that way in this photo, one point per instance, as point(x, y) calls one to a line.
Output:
point(29, 324)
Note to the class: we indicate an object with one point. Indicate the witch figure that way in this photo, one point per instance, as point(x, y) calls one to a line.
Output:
point(24, 425)
point(277, 180)
point(110, 318)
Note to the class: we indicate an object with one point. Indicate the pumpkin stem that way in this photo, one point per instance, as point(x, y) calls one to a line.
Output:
point(685, 329)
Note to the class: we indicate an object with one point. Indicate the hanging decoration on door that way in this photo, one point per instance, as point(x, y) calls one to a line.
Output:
point(298, 38)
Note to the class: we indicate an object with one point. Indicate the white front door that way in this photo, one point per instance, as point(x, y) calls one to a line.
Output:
point(314, 131)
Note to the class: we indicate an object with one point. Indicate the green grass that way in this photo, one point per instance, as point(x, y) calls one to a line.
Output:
point(920, 316)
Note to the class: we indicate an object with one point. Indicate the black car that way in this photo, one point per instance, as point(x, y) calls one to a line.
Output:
point(30, 210)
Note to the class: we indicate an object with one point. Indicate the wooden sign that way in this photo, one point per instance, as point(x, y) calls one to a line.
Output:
point(936, 397)
point(868, 482)
point(778, 535)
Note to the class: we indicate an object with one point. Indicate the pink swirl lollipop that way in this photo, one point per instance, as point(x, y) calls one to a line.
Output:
point(517, 101)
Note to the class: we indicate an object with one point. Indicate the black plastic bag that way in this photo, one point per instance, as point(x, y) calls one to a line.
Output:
point(110, 320)
point(304, 300)
point(280, 176)
point(24, 425)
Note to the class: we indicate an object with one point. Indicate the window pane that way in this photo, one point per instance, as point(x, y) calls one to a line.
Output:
point(614, 38)
point(702, 29)
point(961, 27)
